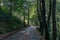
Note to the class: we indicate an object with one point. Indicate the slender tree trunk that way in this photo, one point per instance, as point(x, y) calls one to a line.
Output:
point(44, 20)
point(49, 15)
point(39, 15)
point(28, 15)
point(48, 20)
point(54, 19)
point(41, 25)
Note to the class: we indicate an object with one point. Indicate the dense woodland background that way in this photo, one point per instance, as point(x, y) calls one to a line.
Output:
point(19, 14)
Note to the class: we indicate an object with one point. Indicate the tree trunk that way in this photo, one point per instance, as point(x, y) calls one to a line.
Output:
point(44, 20)
point(48, 20)
point(54, 19)
point(39, 12)
point(28, 15)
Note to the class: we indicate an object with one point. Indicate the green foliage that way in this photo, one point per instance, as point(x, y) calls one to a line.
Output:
point(8, 24)
point(16, 21)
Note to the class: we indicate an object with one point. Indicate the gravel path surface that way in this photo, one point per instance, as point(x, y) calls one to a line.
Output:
point(27, 34)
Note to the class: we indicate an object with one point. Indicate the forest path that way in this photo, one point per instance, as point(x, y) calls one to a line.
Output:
point(29, 33)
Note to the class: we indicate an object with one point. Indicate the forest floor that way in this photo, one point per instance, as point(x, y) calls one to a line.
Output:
point(29, 33)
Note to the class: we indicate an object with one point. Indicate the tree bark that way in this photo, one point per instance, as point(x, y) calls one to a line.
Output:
point(28, 15)
point(54, 19)
point(39, 12)
point(44, 20)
